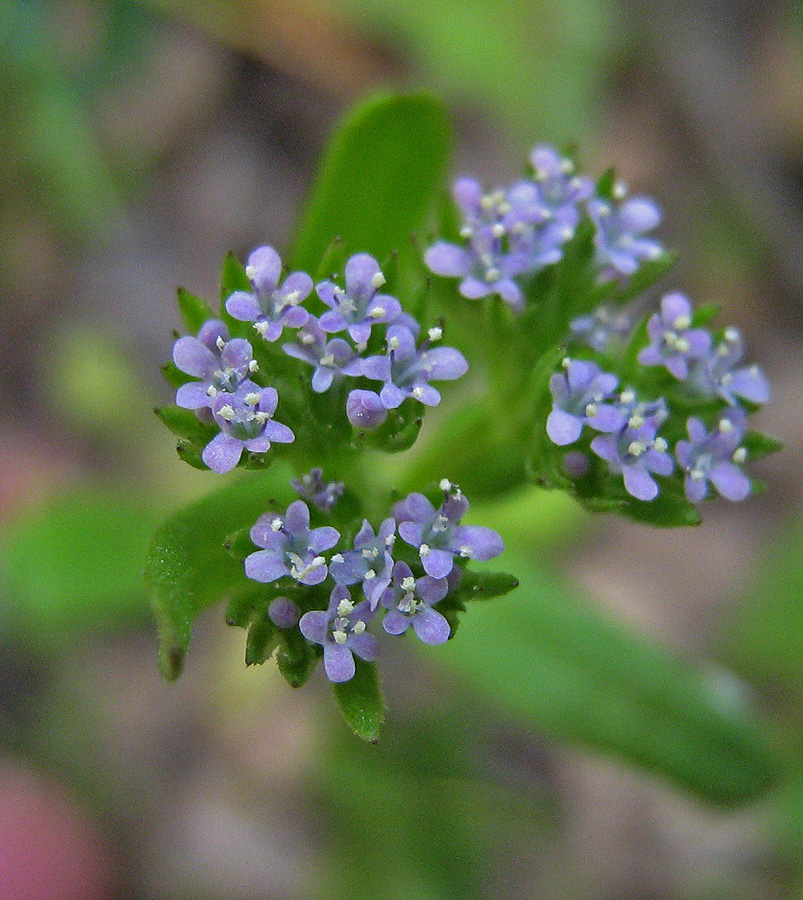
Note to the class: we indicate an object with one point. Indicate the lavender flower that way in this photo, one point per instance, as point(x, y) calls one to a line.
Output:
point(437, 534)
point(369, 562)
point(312, 487)
point(619, 239)
point(535, 235)
point(341, 631)
point(290, 547)
point(407, 371)
point(562, 189)
point(715, 456)
point(245, 420)
point(484, 264)
point(673, 342)
point(223, 365)
point(636, 452)
point(271, 306)
point(410, 601)
point(331, 359)
point(358, 307)
point(283, 612)
point(716, 374)
point(602, 328)
point(364, 409)
point(579, 396)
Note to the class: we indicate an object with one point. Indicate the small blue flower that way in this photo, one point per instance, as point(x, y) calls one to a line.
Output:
point(620, 241)
point(718, 373)
point(369, 562)
point(409, 601)
point(283, 612)
point(562, 189)
point(601, 329)
point(485, 264)
point(246, 423)
point(222, 365)
point(340, 630)
point(438, 535)
point(271, 306)
point(580, 394)
point(636, 452)
point(715, 456)
point(407, 371)
point(673, 342)
point(312, 487)
point(332, 359)
point(365, 410)
point(359, 307)
point(289, 547)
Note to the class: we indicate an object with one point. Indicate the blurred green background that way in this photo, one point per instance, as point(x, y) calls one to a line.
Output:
point(140, 141)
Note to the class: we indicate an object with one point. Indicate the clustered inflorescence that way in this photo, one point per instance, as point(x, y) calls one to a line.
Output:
point(612, 403)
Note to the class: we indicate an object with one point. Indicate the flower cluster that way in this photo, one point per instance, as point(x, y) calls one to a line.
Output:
point(362, 334)
point(695, 370)
point(370, 576)
point(511, 233)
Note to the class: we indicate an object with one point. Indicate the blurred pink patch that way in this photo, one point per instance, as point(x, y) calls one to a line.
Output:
point(48, 849)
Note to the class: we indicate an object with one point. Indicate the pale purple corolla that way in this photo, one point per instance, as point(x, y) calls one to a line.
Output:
point(332, 359)
point(359, 307)
point(312, 487)
point(638, 454)
point(601, 329)
point(580, 397)
point(406, 370)
point(283, 612)
point(562, 189)
point(484, 263)
point(438, 535)
point(409, 601)
point(273, 304)
point(290, 547)
point(369, 562)
point(246, 423)
point(673, 342)
point(221, 364)
point(620, 238)
point(365, 410)
point(714, 456)
point(341, 631)
point(718, 373)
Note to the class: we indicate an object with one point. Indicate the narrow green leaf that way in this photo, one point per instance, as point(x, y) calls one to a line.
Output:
point(188, 568)
point(485, 585)
point(194, 311)
point(360, 701)
point(378, 180)
point(568, 670)
point(262, 638)
point(296, 657)
point(185, 424)
point(665, 511)
point(759, 445)
point(232, 277)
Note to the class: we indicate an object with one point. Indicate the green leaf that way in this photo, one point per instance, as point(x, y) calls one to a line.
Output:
point(185, 424)
point(194, 311)
point(360, 701)
point(232, 277)
point(188, 568)
point(759, 445)
point(296, 657)
point(378, 180)
point(262, 638)
point(485, 585)
point(665, 511)
point(568, 670)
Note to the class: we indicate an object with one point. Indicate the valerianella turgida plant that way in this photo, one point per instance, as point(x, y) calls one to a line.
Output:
point(527, 306)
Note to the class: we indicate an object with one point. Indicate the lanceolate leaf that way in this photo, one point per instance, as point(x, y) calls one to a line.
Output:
point(379, 179)
point(569, 671)
point(188, 568)
point(360, 701)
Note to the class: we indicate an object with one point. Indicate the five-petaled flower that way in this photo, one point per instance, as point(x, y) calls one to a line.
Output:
point(409, 601)
point(673, 342)
point(714, 456)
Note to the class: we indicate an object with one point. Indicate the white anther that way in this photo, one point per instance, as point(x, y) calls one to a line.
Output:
point(345, 607)
point(681, 323)
point(565, 362)
point(567, 233)
point(369, 575)
point(393, 343)
point(328, 359)
point(566, 166)
point(253, 366)
point(251, 272)
point(307, 338)
point(211, 391)
point(261, 416)
point(725, 426)
point(390, 540)
point(654, 252)
point(627, 396)
point(252, 398)
point(465, 551)
point(731, 335)
point(697, 474)
point(435, 334)
point(276, 524)
point(417, 392)
point(220, 343)
point(498, 230)
point(660, 445)
point(337, 558)
point(682, 345)
point(636, 448)
point(445, 485)
point(262, 327)
point(226, 412)
point(604, 209)
point(591, 409)
point(359, 627)
point(424, 550)
point(377, 312)
point(620, 190)
point(492, 274)
point(466, 232)
point(576, 183)
point(635, 421)
point(408, 584)
point(739, 455)
point(340, 636)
